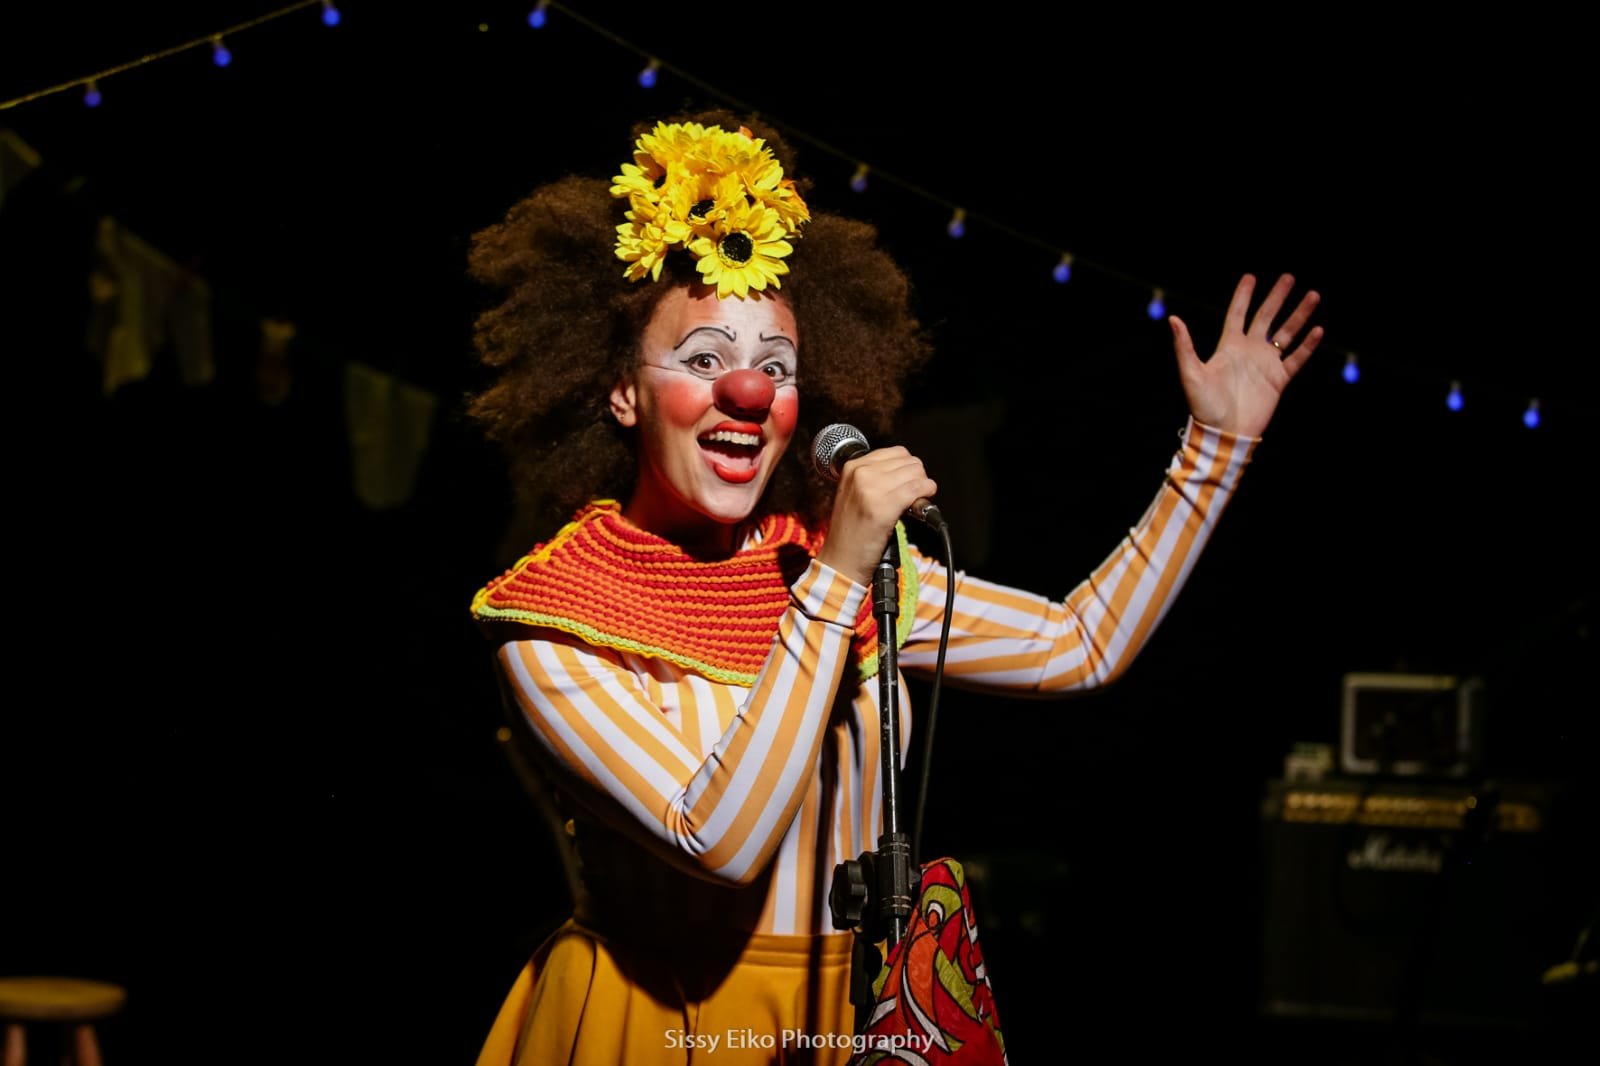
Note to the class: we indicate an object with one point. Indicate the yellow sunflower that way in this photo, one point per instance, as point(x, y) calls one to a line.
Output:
point(645, 239)
point(635, 180)
point(746, 252)
point(764, 183)
point(785, 200)
point(668, 144)
point(721, 195)
point(722, 152)
point(761, 174)
point(711, 201)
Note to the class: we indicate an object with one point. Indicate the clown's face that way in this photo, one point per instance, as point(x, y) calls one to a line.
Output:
point(714, 401)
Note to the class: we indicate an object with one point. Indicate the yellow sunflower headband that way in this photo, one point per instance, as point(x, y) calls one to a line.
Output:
point(722, 196)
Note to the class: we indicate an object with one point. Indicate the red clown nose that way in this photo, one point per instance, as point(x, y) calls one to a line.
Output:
point(744, 392)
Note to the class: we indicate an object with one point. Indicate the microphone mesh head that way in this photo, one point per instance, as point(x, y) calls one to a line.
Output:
point(836, 445)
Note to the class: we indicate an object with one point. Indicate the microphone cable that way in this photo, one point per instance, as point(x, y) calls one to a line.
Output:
point(933, 699)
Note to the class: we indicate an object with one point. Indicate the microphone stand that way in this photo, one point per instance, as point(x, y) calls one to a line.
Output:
point(872, 894)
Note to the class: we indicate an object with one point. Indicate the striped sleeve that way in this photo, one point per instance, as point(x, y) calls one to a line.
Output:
point(1006, 638)
point(728, 812)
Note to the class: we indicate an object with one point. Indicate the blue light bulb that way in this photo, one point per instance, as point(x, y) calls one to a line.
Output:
point(537, 17)
point(1157, 307)
point(858, 182)
point(1063, 270)
point(91, 96)
point(1453, 401)
point(219, 52)
point(647, 76)
point(1530, 417)
point(1351, 372)
point(957, 227)
point(330, 14)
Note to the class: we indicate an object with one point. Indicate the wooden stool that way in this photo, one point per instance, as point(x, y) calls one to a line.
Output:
point(65, 1001)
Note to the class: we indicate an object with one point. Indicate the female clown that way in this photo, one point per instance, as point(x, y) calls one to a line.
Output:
point(693, 653)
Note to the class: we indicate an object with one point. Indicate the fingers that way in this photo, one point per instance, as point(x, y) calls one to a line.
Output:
point(889, 480)
point(1298, 357)
point(1182, 343)
point(1261, 324)
point(1285, 334)
point(1282, 336)
point(1240, 307)
point(875, 489)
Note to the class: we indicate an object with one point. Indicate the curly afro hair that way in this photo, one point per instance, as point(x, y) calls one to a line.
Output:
point(569, 326)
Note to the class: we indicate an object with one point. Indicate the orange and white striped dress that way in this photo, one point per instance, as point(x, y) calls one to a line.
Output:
point(706, 809)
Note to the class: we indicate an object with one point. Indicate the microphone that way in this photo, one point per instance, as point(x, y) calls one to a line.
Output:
point(839, 443)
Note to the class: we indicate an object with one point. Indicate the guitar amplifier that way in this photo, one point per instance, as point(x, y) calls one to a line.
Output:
point(1406, 901)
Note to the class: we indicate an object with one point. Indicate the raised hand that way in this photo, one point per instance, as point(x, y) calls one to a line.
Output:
point(1237, 389)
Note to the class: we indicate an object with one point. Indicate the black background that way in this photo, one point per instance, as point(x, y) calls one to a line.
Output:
point(249, 764)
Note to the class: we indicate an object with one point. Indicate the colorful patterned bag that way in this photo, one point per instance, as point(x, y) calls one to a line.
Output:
point(934, 1006)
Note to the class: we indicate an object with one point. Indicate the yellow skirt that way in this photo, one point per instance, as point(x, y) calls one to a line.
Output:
point(752, 1001)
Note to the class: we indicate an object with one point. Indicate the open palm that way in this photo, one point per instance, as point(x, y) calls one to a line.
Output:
point(1238, 388)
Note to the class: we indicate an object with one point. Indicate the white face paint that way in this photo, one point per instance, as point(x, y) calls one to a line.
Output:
point(715, 405)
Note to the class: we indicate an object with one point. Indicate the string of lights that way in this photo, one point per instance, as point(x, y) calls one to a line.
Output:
point(220, 55)
point(1064, 265)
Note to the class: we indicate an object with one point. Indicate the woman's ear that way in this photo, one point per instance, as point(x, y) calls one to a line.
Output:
point(624, 405)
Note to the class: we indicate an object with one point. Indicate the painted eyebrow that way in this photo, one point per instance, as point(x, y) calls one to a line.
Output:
point(725, 331)
point(779, 337)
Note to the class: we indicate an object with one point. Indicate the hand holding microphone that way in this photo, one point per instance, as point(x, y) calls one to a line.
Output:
point(876, 487)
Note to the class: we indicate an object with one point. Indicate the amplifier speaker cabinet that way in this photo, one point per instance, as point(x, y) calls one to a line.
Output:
point(1389, 901)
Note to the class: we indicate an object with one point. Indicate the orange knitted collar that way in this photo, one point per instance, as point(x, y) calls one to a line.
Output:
point(614, 585)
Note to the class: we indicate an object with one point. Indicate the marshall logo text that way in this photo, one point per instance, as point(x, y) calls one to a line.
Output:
point(1378, 853)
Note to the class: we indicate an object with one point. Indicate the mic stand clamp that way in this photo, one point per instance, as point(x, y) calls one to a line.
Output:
point(872, 894)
